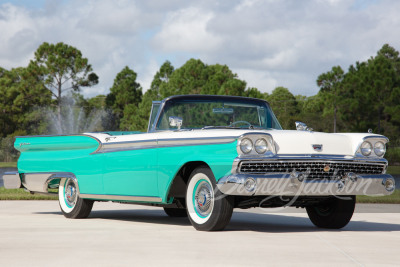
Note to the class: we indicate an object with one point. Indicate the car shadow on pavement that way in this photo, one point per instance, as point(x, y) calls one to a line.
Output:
point(275, 223)
point(241, 221)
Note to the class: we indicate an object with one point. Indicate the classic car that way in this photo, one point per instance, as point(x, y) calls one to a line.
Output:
point(203, 156)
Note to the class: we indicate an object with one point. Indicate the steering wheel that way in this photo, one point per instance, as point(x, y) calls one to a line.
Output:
point(245, 122)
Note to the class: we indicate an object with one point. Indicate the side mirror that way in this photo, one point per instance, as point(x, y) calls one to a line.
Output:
point(175, 122)
point(301, 126)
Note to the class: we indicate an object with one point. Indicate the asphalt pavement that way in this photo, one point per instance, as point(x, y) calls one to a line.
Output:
point(35, 233)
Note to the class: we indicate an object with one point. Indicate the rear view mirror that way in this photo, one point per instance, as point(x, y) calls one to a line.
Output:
point(223, 110)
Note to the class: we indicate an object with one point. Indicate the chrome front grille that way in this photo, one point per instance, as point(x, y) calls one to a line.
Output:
point(313, 169)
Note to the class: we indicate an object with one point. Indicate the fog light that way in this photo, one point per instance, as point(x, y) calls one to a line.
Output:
point(389, 184)
point(250, 184)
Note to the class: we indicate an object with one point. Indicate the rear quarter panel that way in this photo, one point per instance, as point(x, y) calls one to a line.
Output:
point(63, 154)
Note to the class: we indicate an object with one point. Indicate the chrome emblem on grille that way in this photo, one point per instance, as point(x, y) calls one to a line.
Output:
point(317, 147)
point(327, 168)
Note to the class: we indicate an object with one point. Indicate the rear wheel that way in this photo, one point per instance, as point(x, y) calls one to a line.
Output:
point(208, 209)
point(72, 206)
point(174, 212)
point(333, 214)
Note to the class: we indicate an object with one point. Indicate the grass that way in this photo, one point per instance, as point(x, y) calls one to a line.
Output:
point(8, 164)
point(393, 170)
point(21, 194)
point(391, 199)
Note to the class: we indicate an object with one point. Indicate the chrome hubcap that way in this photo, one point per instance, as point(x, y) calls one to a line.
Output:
point(70, 193)
point(203, 199)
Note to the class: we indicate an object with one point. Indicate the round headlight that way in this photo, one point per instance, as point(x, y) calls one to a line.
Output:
point(379, 149)
point(366, 148)
point(261, 146)
point(246, 145)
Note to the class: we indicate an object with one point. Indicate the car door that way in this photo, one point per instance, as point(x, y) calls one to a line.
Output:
point(131, 166)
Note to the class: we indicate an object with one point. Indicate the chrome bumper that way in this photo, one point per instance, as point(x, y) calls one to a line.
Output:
point(291, 185)
point(12, 180)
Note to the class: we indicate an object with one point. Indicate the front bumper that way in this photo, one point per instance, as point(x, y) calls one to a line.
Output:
point(291, 185)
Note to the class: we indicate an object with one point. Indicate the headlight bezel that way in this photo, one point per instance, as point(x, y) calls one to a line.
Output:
point(372, 142)
point(256, 138)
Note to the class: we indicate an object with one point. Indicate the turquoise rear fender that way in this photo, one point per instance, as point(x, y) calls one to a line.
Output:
point(53, 154)
point(219, 157)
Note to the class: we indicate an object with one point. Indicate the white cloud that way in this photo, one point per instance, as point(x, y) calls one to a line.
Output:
point(186, 30)
point(268, 43)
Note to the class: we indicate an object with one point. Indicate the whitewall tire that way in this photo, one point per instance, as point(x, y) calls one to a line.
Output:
point(72, 206)
point(207, 208)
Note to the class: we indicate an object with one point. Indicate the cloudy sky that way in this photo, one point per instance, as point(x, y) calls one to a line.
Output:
point(267, 43)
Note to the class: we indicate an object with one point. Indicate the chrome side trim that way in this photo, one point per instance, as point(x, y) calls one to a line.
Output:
point(95, 138)
point(12, 180)
point(195, 141)
point(148, 144)
point(129, 145)
point(121, 198)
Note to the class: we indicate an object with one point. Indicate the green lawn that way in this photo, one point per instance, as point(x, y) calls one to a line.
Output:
point(393, 170)
point(20, 194)
point(392, 199)
point(8, 164)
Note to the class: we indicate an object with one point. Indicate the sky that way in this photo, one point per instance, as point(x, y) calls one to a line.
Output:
point(267, 43)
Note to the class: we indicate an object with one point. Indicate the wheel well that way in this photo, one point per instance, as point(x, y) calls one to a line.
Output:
point(178, 186)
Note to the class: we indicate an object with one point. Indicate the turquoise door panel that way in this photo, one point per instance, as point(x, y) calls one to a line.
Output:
point(132, 172)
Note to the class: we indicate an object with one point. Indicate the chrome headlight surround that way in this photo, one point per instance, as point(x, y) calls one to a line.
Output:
point(372, 147)
point(262, 144)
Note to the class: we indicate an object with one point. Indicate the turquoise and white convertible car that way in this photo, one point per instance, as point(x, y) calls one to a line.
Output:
point(202, 157)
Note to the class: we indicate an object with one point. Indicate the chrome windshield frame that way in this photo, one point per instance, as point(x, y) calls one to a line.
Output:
point(153, 127)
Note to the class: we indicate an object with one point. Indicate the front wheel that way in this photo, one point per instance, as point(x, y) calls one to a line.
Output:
point(72, 206)
point(334, 213)
point(207, 208)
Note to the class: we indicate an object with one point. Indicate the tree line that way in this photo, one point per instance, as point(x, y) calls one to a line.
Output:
point(366, 96)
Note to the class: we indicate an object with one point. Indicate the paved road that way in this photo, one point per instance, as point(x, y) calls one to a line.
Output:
point(34, 233)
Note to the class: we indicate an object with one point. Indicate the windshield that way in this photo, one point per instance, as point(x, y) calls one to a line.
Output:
point(196, 114)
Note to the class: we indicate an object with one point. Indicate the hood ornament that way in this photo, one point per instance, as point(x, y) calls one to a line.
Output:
point(317, 147)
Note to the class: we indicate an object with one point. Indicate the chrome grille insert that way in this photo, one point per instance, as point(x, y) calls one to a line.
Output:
point(314, 169)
